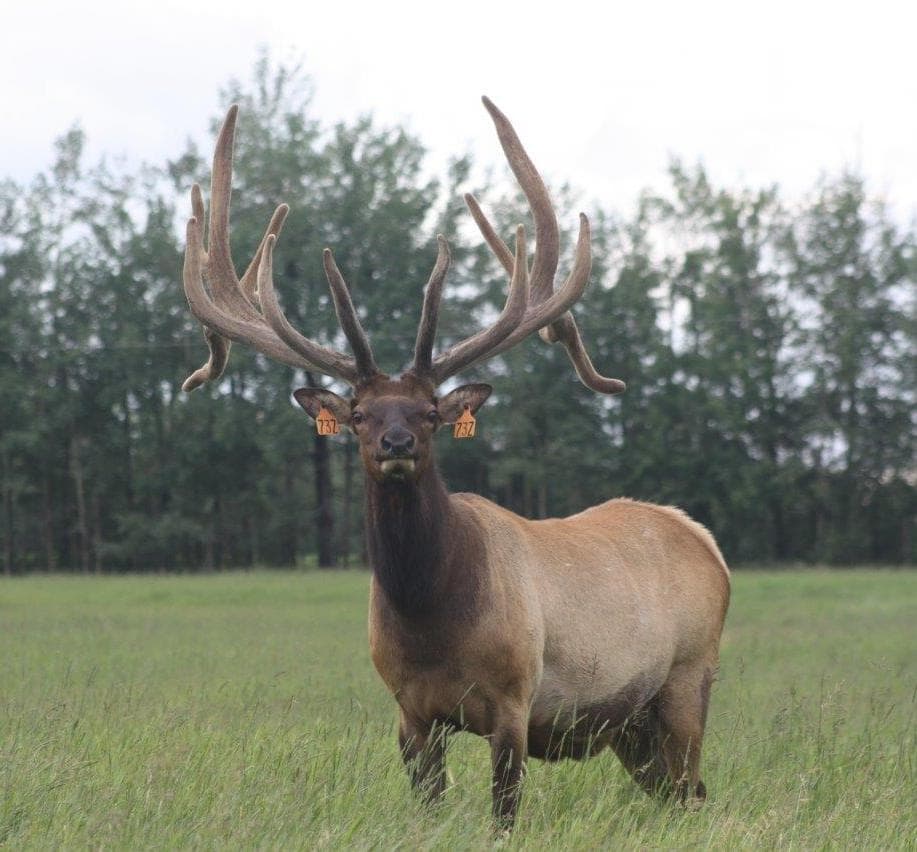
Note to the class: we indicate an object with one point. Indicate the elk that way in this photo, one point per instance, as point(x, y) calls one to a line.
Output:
point(551, 638)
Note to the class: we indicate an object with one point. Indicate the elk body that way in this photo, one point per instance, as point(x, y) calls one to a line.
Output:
point(553, 638)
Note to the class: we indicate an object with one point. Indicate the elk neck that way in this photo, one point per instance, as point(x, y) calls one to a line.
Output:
point(424, 551)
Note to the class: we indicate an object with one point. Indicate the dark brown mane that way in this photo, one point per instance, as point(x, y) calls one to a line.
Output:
point(424, 558)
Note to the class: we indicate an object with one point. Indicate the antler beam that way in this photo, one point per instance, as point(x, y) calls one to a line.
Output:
point(247, 310)
point(228, 307)
point(543, 310)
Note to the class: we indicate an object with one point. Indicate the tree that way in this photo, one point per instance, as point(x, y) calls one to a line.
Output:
point(769, 354)
point(855, 271)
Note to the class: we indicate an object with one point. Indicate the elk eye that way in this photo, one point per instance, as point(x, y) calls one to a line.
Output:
point(356, 418)
point(433, 415)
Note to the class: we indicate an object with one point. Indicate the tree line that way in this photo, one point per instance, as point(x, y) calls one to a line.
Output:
point(768, 348)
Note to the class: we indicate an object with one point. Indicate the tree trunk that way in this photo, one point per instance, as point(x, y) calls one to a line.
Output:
point(289, 538)
point(222, 535)
point(209, 534)
point(127, 473)
point(96, 534)
point(7, 515)
point(543, 497)
point(780, 549)
point(254, 546)
point(48, 523)
point(79, 487)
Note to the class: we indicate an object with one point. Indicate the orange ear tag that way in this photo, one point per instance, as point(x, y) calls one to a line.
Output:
point(464, 426)
point(326, 423)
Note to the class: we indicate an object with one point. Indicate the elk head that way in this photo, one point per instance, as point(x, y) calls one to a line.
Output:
point(393, 418)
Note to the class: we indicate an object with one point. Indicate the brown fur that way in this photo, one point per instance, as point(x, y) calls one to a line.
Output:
point(553, 638)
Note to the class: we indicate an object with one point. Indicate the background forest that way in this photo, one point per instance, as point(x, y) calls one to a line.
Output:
point(769, 348)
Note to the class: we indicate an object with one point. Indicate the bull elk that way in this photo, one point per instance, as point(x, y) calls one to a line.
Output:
point(552, 638)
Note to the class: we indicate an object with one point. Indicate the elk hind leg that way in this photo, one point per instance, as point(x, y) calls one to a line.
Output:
point(638, 746)
point(423, 750)
point(682, 716)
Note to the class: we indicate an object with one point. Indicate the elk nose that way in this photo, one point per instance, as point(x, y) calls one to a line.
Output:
point(398, 442)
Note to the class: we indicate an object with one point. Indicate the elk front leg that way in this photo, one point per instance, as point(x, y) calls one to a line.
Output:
point(423, 750)
point(508, 750)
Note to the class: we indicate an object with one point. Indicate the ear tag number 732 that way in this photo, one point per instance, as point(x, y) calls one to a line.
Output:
point(326, 423)
point(464, 426)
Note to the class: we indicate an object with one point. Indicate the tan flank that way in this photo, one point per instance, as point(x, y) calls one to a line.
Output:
point(553, 638)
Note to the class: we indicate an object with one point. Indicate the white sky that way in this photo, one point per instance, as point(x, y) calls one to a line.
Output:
point(601, 93)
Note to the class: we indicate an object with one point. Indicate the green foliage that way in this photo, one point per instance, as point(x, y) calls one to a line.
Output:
point(769, 355)
point(856, 271)
point(242, 711)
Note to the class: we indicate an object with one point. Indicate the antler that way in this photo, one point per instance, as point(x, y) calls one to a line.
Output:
point(229, 310)
point(477, 346)
point(542, 309)
point(229, 307)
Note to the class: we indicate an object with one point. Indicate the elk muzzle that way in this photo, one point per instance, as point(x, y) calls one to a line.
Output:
point(396, 457)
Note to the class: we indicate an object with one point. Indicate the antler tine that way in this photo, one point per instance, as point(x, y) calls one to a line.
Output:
point(539, 315)
point(224, 285)
point(483, 344)
point(564, 329)
point(325, 360)
point(566, 332)
point(546, 310)
point(221, 324)
point(429, 314)
point(229, 311)
point(534, 316)
point(497, 246)
point(215, 364)
point(347, 316)
point(248, 284)
point(552, 316)
point(547, 235)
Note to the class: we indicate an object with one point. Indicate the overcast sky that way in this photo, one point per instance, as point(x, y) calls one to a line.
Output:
point(602, 94)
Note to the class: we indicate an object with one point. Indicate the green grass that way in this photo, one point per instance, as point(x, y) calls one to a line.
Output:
point(241, 711)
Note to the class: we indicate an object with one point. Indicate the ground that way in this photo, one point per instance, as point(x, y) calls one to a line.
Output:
point(241, 710)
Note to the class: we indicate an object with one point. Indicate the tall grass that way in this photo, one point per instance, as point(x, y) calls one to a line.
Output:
point(241, 711)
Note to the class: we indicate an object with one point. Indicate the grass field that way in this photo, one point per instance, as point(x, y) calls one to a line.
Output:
point(242, 711)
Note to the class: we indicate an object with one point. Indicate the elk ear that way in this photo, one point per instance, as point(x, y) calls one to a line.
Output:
point(451, 406)
point(314, 399)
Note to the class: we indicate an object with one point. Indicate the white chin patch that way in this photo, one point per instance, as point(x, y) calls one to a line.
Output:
point(397, 467)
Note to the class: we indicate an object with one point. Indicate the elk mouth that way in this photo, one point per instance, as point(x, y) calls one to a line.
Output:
point(397, 466)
